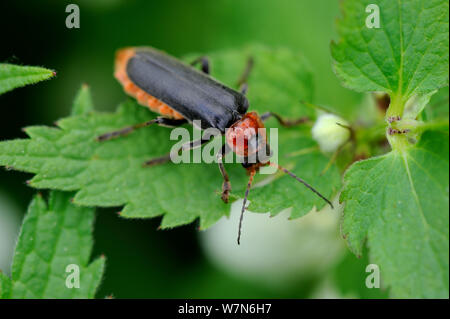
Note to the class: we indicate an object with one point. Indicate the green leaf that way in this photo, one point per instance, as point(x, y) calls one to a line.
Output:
point(14, 76)
point(83, 101)
point(399, 202)
point(439, 106)
point(408, 55)
point(111, 173)
point(350, 278)
point(53, 237)
point(304, 158)
point(279, 80)
point(5, 286)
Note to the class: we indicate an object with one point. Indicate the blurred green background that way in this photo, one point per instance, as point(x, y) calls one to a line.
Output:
point(141, 261)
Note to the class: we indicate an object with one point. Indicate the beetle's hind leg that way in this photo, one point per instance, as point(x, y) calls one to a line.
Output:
point(285, 122)
point(162, 121)
point(204, 62)
point(242, 82)
point(185, 147)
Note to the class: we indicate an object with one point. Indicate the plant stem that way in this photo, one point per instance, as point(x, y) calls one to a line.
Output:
point(396, 107)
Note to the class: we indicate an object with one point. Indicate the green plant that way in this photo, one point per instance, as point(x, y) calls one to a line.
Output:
point(53, 237)
point(399, 201)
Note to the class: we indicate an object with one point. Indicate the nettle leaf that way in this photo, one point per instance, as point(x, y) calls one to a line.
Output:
point(52, 237)
point(439, 106)
point(279, 80)
point(83, 102)
point(5, 286)
point(111, 173)
point(407, 55)
point(14, 76)
point(301, 154)
point(400, 202)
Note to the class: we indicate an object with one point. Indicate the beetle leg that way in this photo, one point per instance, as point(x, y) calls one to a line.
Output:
point(242, 82)
point(162, 121)
point(226, 185)
point(284, 122)
point(185, 147)
point(157, 160)
point(205, 63)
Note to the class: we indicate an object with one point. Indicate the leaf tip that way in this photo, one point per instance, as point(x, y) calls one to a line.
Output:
point(26, 130)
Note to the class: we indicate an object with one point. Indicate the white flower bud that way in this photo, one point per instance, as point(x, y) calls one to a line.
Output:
point(328, 134)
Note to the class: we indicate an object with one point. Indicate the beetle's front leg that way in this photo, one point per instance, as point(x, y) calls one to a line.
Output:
point(226, 185)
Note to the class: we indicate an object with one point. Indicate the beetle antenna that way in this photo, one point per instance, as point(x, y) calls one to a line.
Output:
point(301, 181)
point(249, 185)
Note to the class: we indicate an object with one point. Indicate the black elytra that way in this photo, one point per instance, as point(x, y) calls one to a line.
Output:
point(192, 93)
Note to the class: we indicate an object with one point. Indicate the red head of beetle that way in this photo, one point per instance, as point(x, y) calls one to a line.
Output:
point(247, 138)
